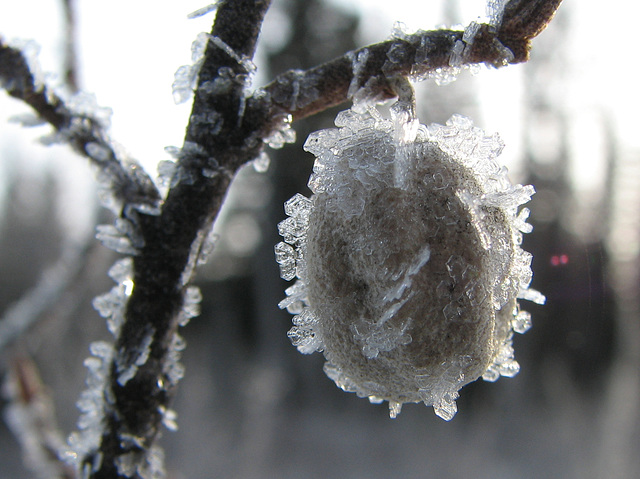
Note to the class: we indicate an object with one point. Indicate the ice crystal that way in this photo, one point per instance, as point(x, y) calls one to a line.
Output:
point(358, 63)
point(186, 77)
point(394, 408)
point(206, 247)
point(212, 7)
point(521, 322)
point(194, 161)
point(190, 306)
point(242, 60)
point(169, 418)
point(212, 119)
point(146, 463)
point(407, 257)
point(282, 134)
point(532, 295)
point(123, 236)
point(111, 305)
point(222, 84)
point(286, 258)
point(296, 298)
point(166, 172)
point(92, 403)
point(28, 120)
point(128, 362)
point(85, 104)
point(297, 90)
point(172, 368)
point(494, 11)
point(261, 163)
point(200, 252)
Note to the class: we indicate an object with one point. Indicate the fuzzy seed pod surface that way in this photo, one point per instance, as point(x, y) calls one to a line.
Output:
point(407, 259)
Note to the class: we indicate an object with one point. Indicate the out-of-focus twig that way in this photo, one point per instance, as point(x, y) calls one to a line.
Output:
point(70, 54)
point(53, 283)
point(31, 416)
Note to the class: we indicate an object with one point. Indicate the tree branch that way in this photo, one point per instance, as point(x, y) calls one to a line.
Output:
point(172, 242)
point(417, 55)
point(83, 129)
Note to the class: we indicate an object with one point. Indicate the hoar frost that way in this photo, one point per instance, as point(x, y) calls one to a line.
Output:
point(407, 259)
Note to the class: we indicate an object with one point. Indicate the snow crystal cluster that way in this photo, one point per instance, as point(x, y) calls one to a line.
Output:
point(186, 77)
point(123, 236)
point(92, 404)
point(85, 104)
point(146, 464)
point(297, 96)
point(194, 161)
point(111, 305)
point(97, 398)
point(281, 135)
point(426, 46)
point(494, 11)
point(407, 259)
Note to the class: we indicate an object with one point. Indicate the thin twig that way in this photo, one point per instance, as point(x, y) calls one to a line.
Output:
point(70, 56)
point(522, 20)
point(85, 132)
point(31, 416)
point(54, 281)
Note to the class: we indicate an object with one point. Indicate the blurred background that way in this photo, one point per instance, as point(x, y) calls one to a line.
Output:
point(251, 406)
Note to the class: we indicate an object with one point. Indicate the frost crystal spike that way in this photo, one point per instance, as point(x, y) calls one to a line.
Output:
point(407, 258)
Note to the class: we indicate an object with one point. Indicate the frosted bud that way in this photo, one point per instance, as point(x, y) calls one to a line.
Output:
point(407, 259)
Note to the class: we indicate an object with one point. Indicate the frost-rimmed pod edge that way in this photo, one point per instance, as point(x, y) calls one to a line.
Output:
point(407, 259)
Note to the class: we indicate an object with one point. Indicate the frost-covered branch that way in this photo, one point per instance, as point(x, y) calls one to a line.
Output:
point(419, 55)
point(132, 384)
point(79, 122)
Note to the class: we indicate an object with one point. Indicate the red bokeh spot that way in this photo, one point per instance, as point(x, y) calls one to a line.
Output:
point(559, 259)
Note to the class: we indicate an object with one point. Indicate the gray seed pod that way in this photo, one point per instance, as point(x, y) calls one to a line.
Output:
point(407, 258)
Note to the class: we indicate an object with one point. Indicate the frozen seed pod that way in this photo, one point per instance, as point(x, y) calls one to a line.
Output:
point(407, 259)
